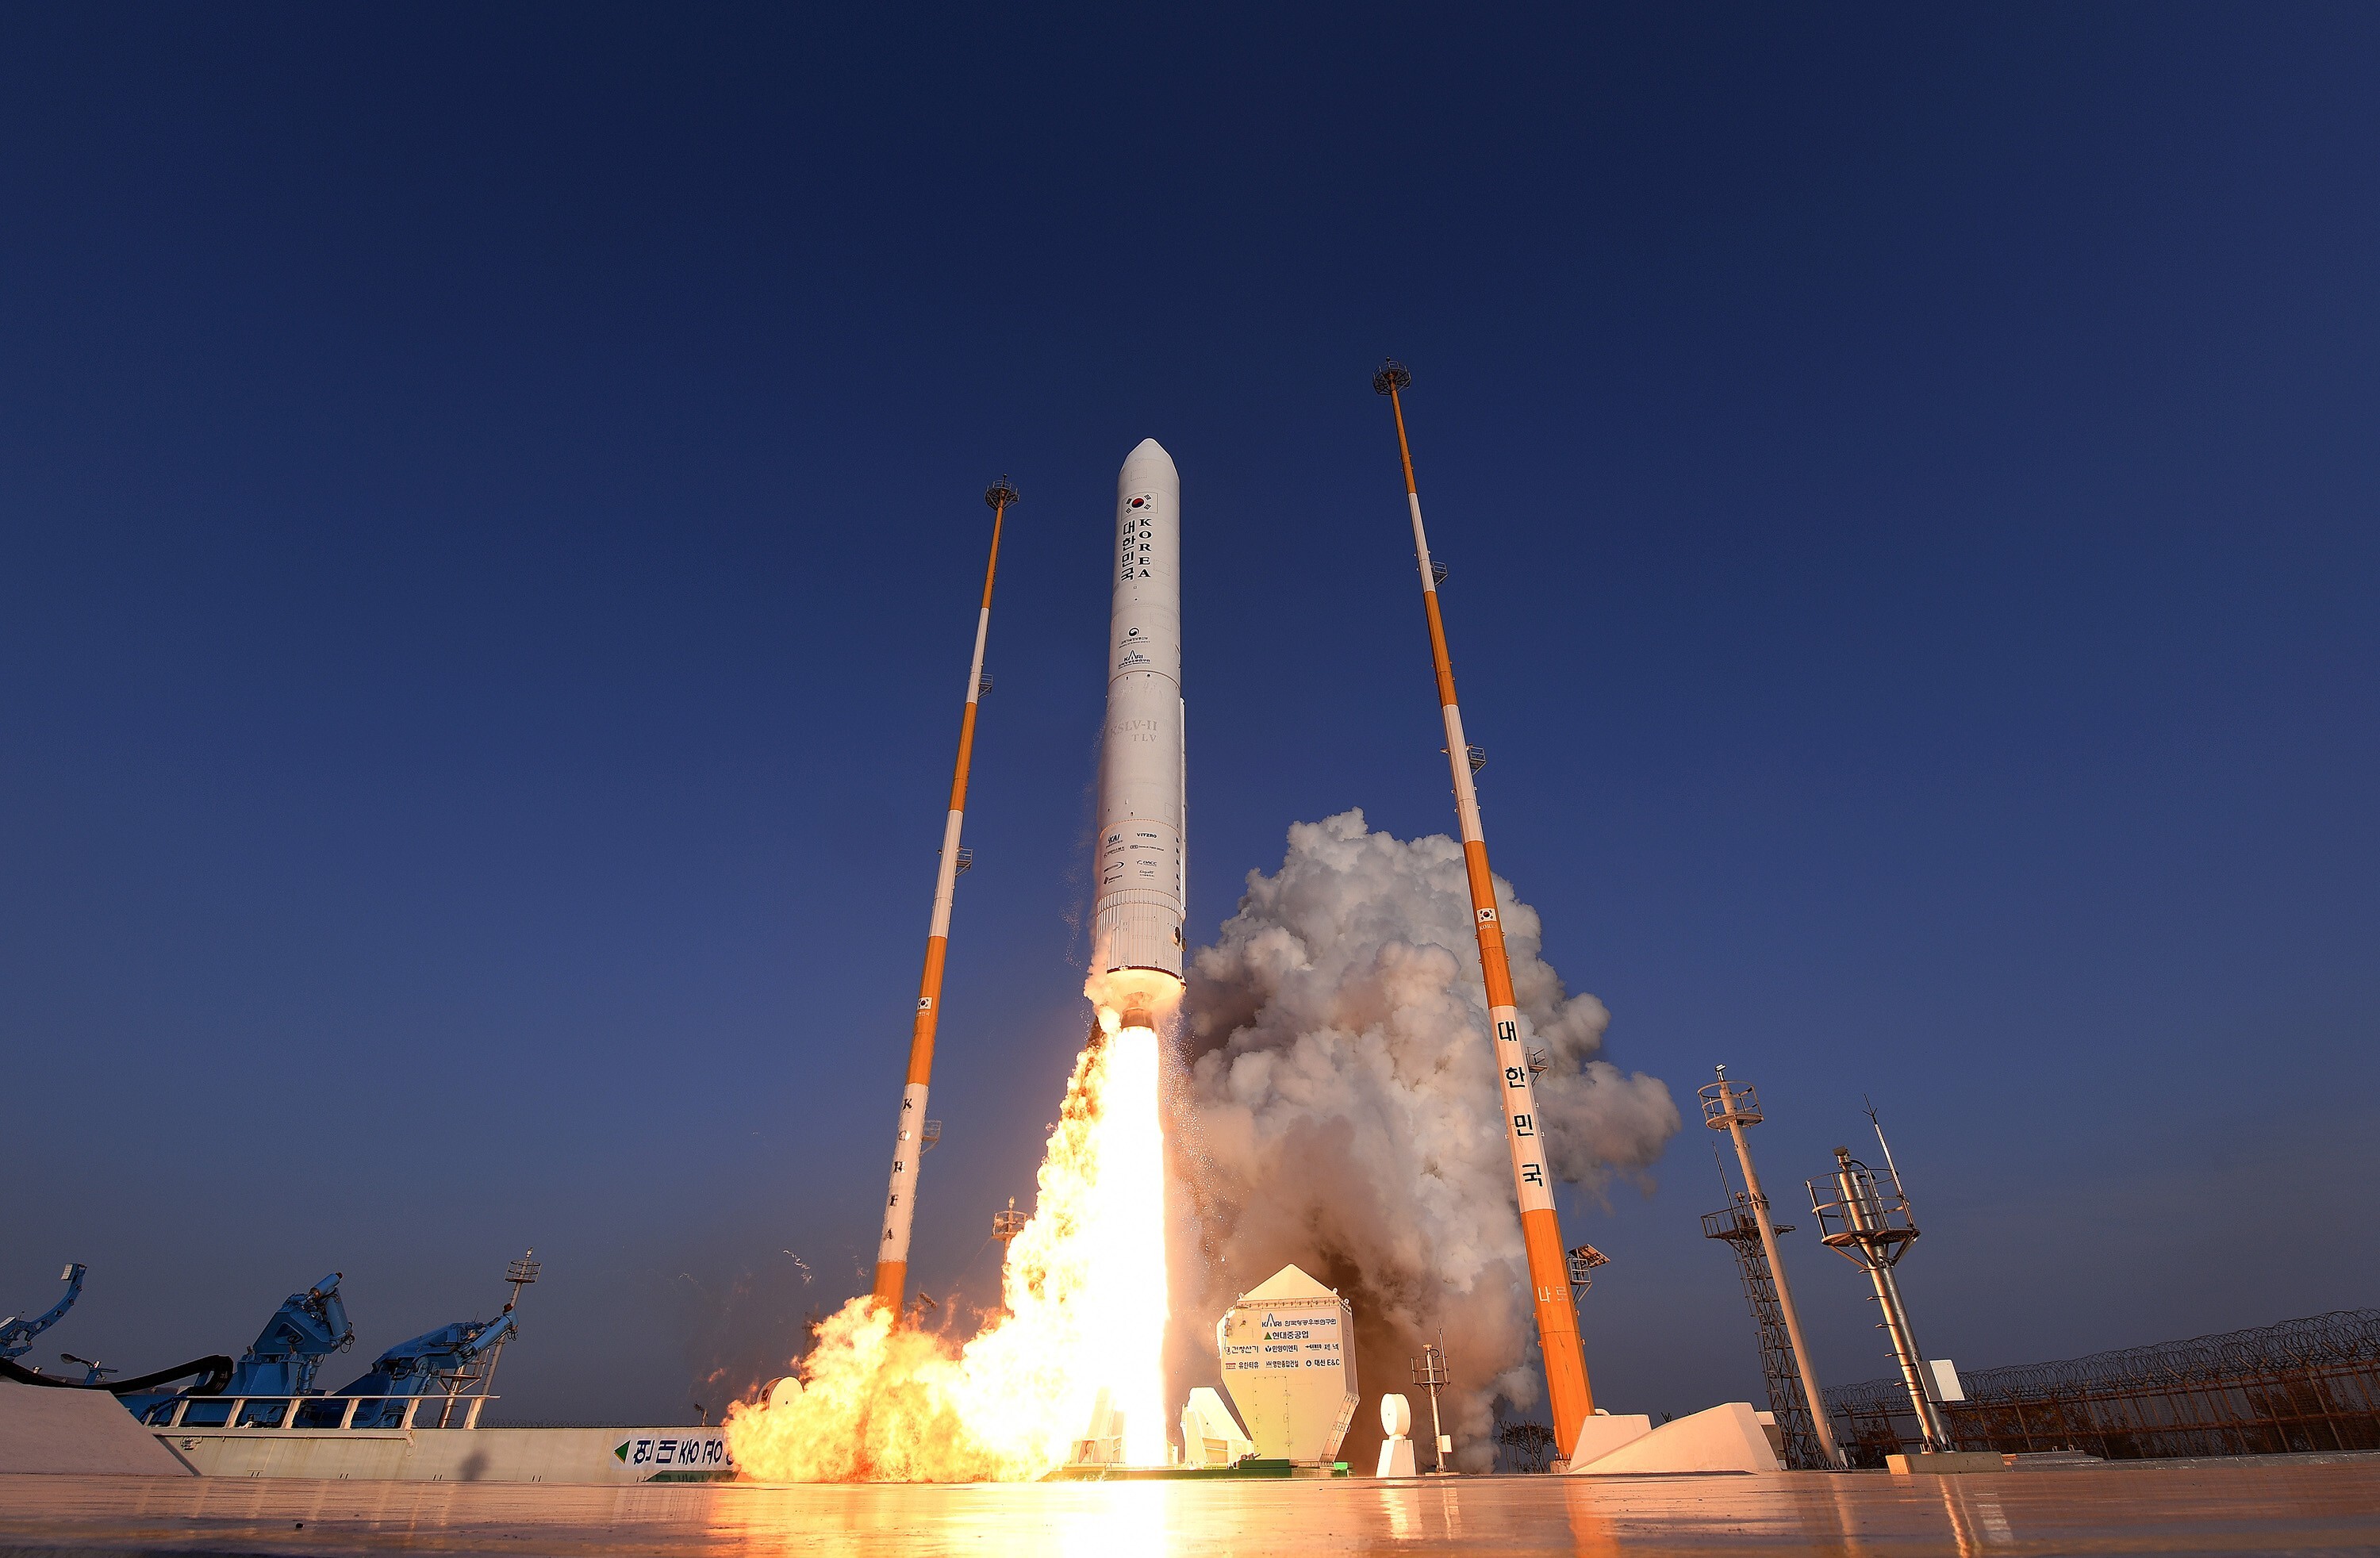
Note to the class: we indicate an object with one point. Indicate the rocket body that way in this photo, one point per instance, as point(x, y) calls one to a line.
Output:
point(1136, 944)
point(1136, 922)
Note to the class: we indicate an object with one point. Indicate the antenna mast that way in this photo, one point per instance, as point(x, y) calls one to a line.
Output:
point(913, 1129)
point(1891, 1167)
point(1557, 1306)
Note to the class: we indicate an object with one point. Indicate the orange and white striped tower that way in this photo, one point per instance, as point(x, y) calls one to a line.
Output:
point(908, 1147)
point(1573, 1399)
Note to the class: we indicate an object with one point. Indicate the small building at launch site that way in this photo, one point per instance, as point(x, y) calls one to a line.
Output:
point(1288, 1351)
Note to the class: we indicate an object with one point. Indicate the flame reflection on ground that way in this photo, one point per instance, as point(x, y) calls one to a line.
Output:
point(2302, 1504)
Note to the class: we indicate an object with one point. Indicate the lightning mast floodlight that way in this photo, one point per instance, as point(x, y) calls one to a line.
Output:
point(1873, 1229)
point(1430, 1372)
point(1583, 1262)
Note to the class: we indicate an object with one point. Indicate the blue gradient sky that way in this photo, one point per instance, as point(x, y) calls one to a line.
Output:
point(491, 525)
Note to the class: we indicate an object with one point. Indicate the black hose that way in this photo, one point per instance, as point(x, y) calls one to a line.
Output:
point(217, 1370)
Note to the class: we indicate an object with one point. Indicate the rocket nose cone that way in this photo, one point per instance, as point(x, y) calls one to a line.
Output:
point(1149, 453)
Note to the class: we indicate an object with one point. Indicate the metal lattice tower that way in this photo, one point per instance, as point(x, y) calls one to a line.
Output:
point(1737, 1225)
point(1732, 1107)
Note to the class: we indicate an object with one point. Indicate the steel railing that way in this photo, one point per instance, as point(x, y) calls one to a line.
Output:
point(285, 1413)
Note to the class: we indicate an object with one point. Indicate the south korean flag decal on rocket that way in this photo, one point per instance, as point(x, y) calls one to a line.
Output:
point(1486, 915)
point(1140, 505)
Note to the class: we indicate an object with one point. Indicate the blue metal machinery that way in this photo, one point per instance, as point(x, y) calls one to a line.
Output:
point(17, 1334)
point(454, 1360)
point(17, 1339)
point(452, 1363)
point(307, 1328)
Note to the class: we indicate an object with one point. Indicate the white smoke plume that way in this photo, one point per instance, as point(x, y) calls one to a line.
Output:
point(1339, 1112)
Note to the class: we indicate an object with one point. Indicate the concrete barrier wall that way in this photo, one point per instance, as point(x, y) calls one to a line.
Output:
point(82, 1431)
point(593, 1455)
point(1727, 1438)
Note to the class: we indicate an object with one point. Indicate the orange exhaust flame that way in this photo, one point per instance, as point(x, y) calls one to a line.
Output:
point(1084, 1309)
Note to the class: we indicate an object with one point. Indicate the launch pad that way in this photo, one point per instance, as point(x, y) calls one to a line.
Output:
point(2279, 1505)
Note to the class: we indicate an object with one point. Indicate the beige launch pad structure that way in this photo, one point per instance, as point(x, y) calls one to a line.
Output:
point(1288, 1353)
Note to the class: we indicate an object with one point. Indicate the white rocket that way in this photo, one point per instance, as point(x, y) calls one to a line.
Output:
point(1137, 942)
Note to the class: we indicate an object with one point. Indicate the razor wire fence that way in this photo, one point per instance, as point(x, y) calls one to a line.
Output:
point(2310, 1384)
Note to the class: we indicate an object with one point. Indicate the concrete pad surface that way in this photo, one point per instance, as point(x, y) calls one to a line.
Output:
point(2294, 1504)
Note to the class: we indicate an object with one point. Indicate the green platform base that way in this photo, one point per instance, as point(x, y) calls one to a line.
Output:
point(1946, 1463)
point(1249, 1468)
